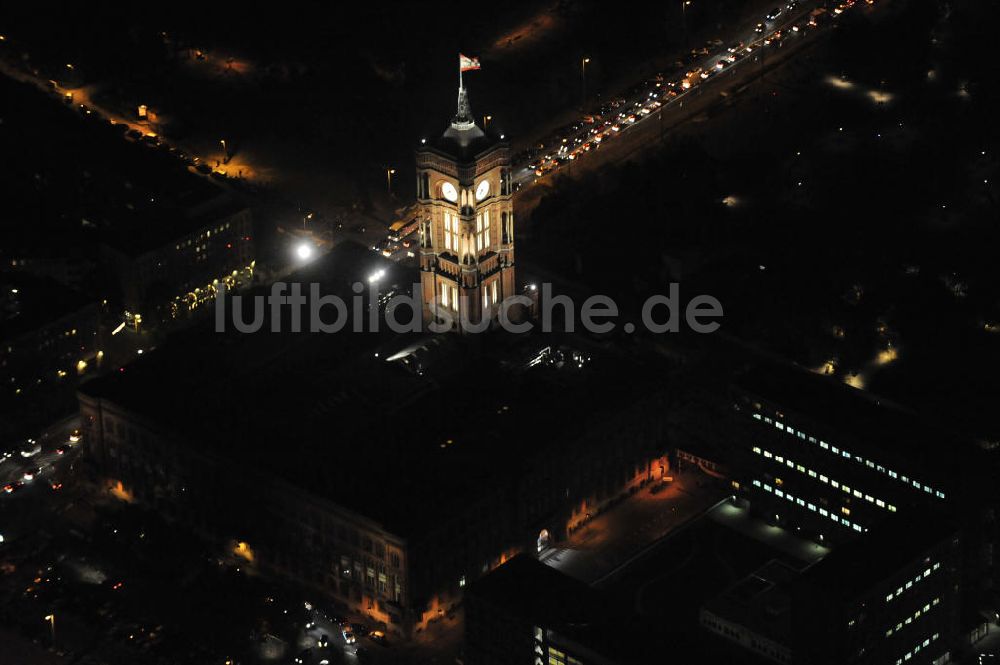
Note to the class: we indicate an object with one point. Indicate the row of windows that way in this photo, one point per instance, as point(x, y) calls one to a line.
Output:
point(899, 592)
point(490, 295)
point(811, 506)
point(913, 652)
point(482, 230)
point(449, 296)
point(202, 236)
point(916, 615)
point(450, 232)
point(843, 453)
point(557, 657)
point(836, 484)
point(765, 647)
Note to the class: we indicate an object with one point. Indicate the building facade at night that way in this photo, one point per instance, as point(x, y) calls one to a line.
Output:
point(345, 482)
point(836, 465)
point(465, 203)
point(48, 339)
point(169, 256)
point(891, 596)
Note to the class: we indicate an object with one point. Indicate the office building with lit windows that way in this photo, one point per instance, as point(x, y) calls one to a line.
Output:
point(833, 463)
point(829, 460)
point(890, 596)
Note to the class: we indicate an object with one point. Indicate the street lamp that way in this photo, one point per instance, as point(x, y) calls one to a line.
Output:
point(684, 6)
point(583, 80)
point(51, 618)
point(225, 151)
point(486, 120)
point(304, 251)
point(388, 179)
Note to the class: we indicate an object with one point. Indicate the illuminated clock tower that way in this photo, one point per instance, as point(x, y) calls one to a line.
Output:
point(467, 221)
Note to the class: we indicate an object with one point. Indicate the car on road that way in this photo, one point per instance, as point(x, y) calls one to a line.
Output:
point(759, 28)
point(32, 473)
point(378, 637)
point(62, 450)
point(773, 14)
point(13, 487)
point(55, 485)
point(74, 436)
point(348, 635)
point(30, 448)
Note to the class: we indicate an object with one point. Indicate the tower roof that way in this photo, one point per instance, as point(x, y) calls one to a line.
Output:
point(463, 139)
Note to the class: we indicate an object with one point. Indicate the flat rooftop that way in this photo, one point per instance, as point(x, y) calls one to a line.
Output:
point(440, 418)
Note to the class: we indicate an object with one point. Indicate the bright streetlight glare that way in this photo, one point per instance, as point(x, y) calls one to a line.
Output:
point(377, 275)
point(304, 251)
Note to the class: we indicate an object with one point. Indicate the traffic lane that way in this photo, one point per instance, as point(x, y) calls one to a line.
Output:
point(669, 116)
point(49, 459)
point(759, 43)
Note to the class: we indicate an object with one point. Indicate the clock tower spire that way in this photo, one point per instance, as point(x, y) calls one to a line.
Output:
point(465, 203)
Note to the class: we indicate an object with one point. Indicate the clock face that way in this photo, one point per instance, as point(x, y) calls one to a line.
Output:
point(449, 192)
point(482, 190)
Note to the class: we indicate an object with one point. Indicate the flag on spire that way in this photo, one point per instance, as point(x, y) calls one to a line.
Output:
point(466, 64)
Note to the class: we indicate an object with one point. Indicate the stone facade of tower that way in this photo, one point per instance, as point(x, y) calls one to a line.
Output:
point(467, 222)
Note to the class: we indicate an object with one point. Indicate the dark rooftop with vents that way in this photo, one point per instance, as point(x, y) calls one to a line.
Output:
point(443, 416)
